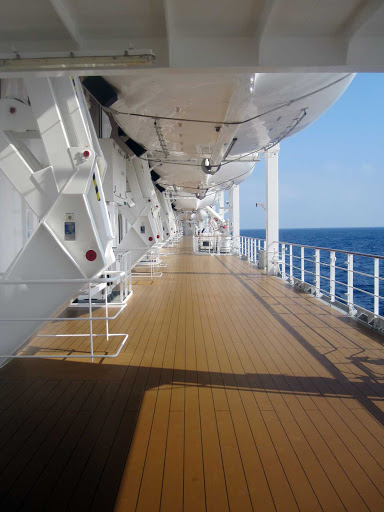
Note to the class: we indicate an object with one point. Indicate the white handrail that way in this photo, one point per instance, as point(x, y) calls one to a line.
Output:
point(311, 268)
point(115, 278)
point(213, 244)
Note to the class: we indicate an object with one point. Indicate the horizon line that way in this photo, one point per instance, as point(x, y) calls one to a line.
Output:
point(326, 227)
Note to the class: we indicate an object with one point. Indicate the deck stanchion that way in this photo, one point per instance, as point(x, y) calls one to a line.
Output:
point(125, 275)
point(106, 313)
point(283, 274)
point(302, 264)
point(130, 273)
point(350, 283)
point(332, 274)
point(317, 272)
point(90, 318)
point(291, 263)
point(122, 285)
point(376, 286)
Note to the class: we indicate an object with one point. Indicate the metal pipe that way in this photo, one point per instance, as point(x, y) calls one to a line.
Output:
point(332, 275)
point(376, 286)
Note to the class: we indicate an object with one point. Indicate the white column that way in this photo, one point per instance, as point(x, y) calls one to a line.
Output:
point(230, 210)
point(272, 205)
point(221, 203)
point(235, 211)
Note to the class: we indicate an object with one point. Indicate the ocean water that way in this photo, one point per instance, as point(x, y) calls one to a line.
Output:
point(361, 240)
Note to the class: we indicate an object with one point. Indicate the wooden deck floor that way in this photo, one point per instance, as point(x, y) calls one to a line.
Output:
point(234, 392)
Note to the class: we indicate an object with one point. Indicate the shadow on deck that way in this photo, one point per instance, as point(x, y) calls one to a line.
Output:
point(66, 428)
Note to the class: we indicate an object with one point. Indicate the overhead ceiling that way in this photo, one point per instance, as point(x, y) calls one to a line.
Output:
point(280, 34)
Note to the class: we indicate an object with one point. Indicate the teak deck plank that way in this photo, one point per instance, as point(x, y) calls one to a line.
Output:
point(234, 392)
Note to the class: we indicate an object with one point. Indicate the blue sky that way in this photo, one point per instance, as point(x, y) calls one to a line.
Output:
point(332, 173)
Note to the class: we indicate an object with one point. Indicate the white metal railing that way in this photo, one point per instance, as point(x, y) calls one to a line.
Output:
point(251, 247)
point(152, 261)
point(346, 277)
point(123, 264)
point(114, 277)
point(212, 244)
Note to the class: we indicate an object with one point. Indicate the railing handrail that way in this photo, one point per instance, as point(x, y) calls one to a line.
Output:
point(320, 248)
point(213, 236)
point(334, 250)
point(283, 257)
point(117, 274)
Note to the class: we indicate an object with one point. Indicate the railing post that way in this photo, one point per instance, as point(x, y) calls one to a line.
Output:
point(291, 263)
point(282, 259)
point(106, 310)
point(90, 318)
point(332, 274)
point(350, 284)
point(317, 272)
point(125, 258)
point(130, 272)
point(302, 263)
point(122, 281)
point(376, 286)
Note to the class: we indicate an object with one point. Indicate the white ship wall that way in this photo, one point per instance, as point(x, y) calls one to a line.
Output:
point(12, 215)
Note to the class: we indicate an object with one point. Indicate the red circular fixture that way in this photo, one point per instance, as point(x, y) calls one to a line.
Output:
point(86, 153)
point(167, 234)
point(157, 206)
point(224, 227)
point(150, 239)
point(157, 236)
point(149, 200)
point(91, 255)
point(12, 110)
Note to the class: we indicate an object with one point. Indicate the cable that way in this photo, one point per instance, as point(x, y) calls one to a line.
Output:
point(273, 143)
point(215, 185)
point(268, 146)
point(171, 162)
point(228, 123)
